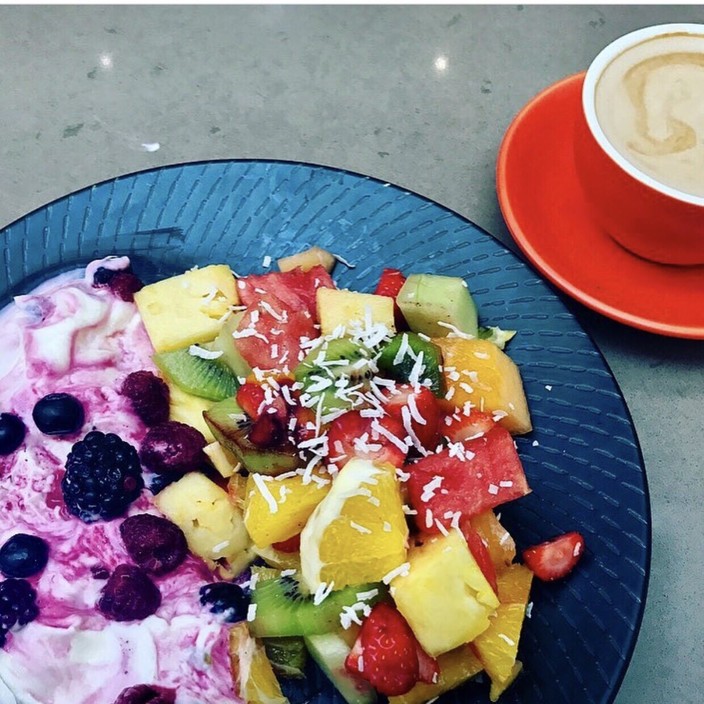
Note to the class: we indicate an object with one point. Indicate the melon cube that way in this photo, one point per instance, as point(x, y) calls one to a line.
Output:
point(479, 372)
point(187, 309)
point(444, 596)
point(338, 307)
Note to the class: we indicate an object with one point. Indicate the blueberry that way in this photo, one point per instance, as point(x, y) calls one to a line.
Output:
point(23, 555)
point(225, 598)
point(12, 432)
point(58, 414)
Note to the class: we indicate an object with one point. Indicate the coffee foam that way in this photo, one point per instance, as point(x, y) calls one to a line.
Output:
point(649, 102)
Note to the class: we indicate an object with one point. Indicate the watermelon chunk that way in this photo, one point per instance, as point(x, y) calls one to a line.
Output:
point(295, 289)
point(466, 478)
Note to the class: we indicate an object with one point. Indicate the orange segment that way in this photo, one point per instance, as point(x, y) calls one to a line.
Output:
point(277, 508)
point(498, 688)
point(358, 533)
point(501, 545)
point(456, 667)
point(514, 584)
point(497, 646)
point(254, 678)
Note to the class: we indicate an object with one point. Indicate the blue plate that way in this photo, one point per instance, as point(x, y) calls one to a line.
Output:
point(582, 460)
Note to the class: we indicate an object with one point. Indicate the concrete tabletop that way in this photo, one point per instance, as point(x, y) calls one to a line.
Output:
point(419, 96)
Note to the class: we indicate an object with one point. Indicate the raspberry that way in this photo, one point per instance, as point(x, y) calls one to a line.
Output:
point(149, 396)
point(154, 543)
point(124, 285)
point(103, 476)
point(129, 595)
point(225, 598)
point(172, 447)
point(146, 694)
point(18, 605)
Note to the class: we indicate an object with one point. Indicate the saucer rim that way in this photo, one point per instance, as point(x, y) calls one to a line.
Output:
point(523, 239)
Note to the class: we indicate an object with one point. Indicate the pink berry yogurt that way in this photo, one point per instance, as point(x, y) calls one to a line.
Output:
point(67, 336)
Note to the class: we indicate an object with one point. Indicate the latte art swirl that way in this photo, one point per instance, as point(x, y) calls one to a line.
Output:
point(650, 104)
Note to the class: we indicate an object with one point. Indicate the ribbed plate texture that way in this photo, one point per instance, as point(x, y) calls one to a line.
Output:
point(582, 460)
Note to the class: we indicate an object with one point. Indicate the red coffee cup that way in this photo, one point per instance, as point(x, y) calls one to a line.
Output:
point(632, 200)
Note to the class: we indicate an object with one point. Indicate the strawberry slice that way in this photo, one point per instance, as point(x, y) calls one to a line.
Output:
point(480, 552)
point(422, 412)
point(251, 398)
point(390, 283)
point(459, 427)
point(292, 544)
point(386, 653)
point(352, 435)
point(556, 558)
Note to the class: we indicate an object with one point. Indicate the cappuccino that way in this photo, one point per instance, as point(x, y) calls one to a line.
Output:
point(649, 102)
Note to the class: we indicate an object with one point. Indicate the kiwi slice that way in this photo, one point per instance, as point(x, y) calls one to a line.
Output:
point(225, 343)
point(410, 345)
point(343, 363)
point(206, 378)
point(288, 656)
point(283, 609)
point(229, 425)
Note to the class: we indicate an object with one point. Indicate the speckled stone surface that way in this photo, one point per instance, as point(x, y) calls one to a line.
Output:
point(418, 96)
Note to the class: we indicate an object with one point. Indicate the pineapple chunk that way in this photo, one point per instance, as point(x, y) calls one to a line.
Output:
point(187, 309)
point(306, 260)
point(456, 667)
point(341, 308)
point(223, 460)
point(188, 409)
point(444, 597)
point(213, 526)
point(486, 377)
point(295, 501)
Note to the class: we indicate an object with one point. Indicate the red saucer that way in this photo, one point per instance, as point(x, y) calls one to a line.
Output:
point(548, 216)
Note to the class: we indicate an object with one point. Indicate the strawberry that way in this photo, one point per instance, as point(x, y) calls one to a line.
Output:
point(422, 411)
point(390, 283)
point(292, 544)
point(555, 558)
point(352, 435)
point(386, 652)
point(266, 431)
point(458, 427)
point(251, 398)
point(480, 552)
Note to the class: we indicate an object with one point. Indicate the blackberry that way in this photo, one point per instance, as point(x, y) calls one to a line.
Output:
point(225, 598)
point(18, 605)
point(103, 276)
point(103, 476)
point(146, 694)
point(148, 395)
point(154, 543)
point(172, 447)
point(129, 595)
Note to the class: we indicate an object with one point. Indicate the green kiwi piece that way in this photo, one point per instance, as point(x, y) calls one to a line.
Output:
point(225, 343)
point(207, 378)
point(283, 609)
point(401, 370)
point(288, 656)
point(335, 360)
point(230, 425)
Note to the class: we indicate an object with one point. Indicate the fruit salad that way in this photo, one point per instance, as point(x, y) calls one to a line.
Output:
point(214, 482)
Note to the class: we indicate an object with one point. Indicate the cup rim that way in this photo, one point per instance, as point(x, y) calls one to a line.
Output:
point(594, 72)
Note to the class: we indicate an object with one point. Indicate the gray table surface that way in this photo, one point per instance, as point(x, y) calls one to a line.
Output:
point(82, 89)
